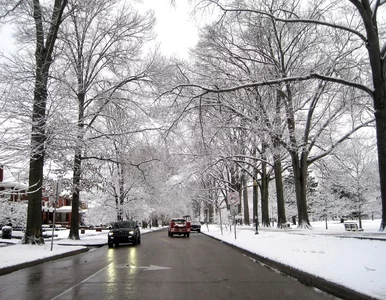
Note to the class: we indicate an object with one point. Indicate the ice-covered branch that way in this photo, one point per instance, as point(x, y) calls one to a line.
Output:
point(341, 140)
point(280, 80)
point(305, 21)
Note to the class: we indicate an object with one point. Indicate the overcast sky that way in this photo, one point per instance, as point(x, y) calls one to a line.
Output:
point(5, 37)
point(175, 27)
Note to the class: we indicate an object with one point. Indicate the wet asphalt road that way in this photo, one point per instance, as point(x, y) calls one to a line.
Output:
point(160, 268)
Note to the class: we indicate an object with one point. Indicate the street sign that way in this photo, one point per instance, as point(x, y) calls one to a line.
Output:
point(234, 199)
point(57, 188)
point(234, 210)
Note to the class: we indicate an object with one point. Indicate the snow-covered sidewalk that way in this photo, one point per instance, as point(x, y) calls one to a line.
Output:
point(332, 254)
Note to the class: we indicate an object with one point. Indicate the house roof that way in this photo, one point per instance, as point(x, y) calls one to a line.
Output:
point(64, 209)
point(11, 180)
point(68, 209)
point(13, 185)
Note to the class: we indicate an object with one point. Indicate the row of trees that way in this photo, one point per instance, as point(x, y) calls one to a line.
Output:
point(284, 83)
point(90, 114)
point(271, 90)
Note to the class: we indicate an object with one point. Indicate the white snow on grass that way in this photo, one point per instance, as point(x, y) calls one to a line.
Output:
point(331, 254)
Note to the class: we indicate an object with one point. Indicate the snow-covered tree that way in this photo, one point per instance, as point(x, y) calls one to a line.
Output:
point(349, 38)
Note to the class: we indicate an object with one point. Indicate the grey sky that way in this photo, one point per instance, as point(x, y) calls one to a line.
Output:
point(175, 29)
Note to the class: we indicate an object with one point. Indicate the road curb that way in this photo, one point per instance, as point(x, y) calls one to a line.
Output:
point(303, 277)
point(11, 269)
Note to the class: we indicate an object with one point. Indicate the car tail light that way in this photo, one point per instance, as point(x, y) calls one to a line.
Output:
point(188, 224)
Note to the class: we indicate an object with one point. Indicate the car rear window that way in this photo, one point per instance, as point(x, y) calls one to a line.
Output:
point(179, 221)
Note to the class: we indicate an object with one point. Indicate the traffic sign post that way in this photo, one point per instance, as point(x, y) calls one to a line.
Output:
point(234, 201)
point(57, 190)
point(233, 210)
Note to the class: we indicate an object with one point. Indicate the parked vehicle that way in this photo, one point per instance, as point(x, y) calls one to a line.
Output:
point(123, 232)
point(179, 226)
point(195, 226)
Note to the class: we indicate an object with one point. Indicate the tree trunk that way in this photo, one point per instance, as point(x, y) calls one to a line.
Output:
point(239, 206)
point(300, 181)
point(378, 68)
point(281, 217)
point(43, 52)
point(211, 213)
point(33, 234)
point(303, 191)
point(74, 229)
point(235, 183)
point(118, 211)
point(380, 120)
point(121, 191)
point(245, 200)
point(299, 165)
point(264, 191)
point(255, 202)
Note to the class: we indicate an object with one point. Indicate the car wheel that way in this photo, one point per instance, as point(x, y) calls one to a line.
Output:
point(116, 244)
point(199, 231)
point(187, 235)
point(139, 240)
point(111, 245)
point(171, 234)
point(168, 233)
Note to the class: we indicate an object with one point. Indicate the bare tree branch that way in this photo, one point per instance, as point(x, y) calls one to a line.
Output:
point(305, 21)
point(280, 80)
point(9, 11)
point(341, 140)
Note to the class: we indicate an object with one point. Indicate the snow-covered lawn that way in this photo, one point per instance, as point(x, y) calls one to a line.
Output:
point(331, 254)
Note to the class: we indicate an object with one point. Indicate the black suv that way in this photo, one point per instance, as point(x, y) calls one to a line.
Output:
point(123, 232)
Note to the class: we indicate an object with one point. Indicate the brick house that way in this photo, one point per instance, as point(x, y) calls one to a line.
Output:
point(15, 191)
point(10, 187)
point(63, 210)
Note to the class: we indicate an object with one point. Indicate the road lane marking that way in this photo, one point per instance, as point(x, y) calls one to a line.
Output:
point(146, 268)
point(84, 280)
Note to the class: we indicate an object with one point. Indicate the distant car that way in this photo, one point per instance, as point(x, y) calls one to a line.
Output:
point(195, 226)
point(123, 232)
point(179, 226)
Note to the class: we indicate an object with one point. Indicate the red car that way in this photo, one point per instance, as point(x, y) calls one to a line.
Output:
point(179, 226)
